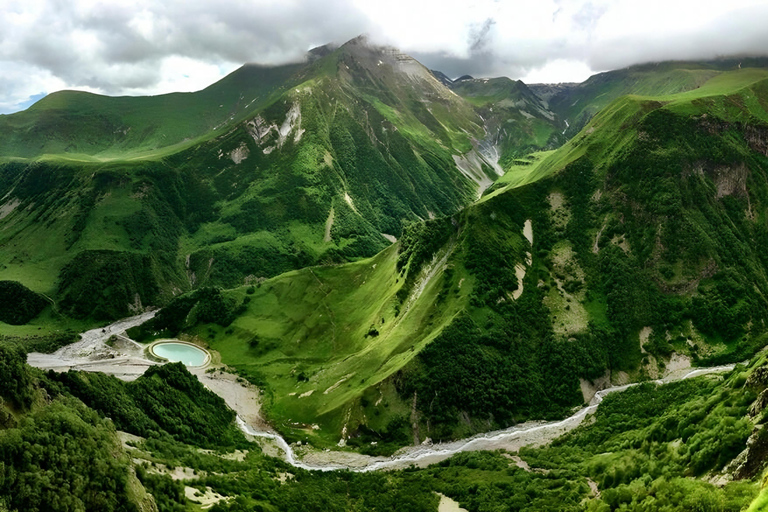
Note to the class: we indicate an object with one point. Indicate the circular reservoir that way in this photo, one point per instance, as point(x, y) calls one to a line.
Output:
point(185, 353)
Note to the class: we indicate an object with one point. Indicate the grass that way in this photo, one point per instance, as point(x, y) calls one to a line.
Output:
point(761, 501)
point(90, 127)
point(401, 176)
point(312, 350)
point(314, 336)
point(715, 96)
point(524, 171)
point(332, 330)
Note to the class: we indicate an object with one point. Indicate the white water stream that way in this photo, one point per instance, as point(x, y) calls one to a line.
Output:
point(487, 441)
point(92, 354)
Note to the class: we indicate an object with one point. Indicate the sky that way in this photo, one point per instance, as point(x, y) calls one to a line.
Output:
point(139, 47)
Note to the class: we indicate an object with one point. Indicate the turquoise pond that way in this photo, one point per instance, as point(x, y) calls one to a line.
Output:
point(180, 352)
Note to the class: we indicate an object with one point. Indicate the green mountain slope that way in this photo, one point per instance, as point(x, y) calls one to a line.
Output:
point(697, 444)
point(324, 165)
point(93, 127)
point(634, 247)
point(578, 103)
point(517, 121)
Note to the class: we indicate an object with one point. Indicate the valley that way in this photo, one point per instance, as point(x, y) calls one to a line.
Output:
point(95, 354)
point(396, 276)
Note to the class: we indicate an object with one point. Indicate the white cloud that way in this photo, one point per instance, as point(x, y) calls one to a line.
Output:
point(154, 46)
point(554, 71)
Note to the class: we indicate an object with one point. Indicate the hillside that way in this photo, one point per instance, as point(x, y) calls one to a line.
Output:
point(323, 165)
point(578, 103)
point(696, 444)
point(57, 454)
point(345, 243)
point(630, 252)
point(93, 127)
point(517, 120)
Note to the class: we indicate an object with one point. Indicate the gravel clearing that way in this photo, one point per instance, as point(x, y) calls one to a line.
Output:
point(125, 359)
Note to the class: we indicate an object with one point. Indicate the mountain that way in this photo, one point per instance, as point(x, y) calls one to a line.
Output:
point(623, 246)
point(517, 120)
point(633, 249)
point(566, 265)
point(92, 127)
point(578, 103)
point(441, 77)
point(129, 201)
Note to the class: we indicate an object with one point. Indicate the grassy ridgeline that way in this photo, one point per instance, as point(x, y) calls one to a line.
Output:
point(119, 231)
point(630, 236)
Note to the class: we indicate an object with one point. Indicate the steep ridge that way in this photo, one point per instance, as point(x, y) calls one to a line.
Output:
point(517, 121)
point(123, 223)
point(645, 235)
point(578, 103)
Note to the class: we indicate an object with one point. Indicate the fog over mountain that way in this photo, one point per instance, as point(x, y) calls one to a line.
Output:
point(150, 47)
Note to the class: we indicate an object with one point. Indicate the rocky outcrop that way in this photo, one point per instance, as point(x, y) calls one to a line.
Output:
point(752, 460)
point(757, 138)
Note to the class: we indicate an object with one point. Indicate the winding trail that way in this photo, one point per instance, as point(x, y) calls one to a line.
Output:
point(127, 362)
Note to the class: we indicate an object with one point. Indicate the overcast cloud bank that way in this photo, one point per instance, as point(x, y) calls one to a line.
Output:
point(151, 47)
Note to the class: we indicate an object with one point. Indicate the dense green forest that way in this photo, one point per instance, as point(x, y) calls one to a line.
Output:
point(56, 453)
point(334, 243)
point(648, 448)
point(652, 447)
point(165, 400)
point(19, 304)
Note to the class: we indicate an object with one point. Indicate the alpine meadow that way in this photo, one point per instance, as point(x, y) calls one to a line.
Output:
point(412, 292)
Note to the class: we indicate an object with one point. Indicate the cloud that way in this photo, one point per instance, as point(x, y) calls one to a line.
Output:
point(120, 47)
point(148, 46)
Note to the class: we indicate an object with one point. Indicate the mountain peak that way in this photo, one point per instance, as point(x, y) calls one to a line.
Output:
point(441, 77)
point(319, 52)
point(361, 40)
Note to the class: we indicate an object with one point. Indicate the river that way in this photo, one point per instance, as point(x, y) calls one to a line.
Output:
point(512, 438)
point(92, 353)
